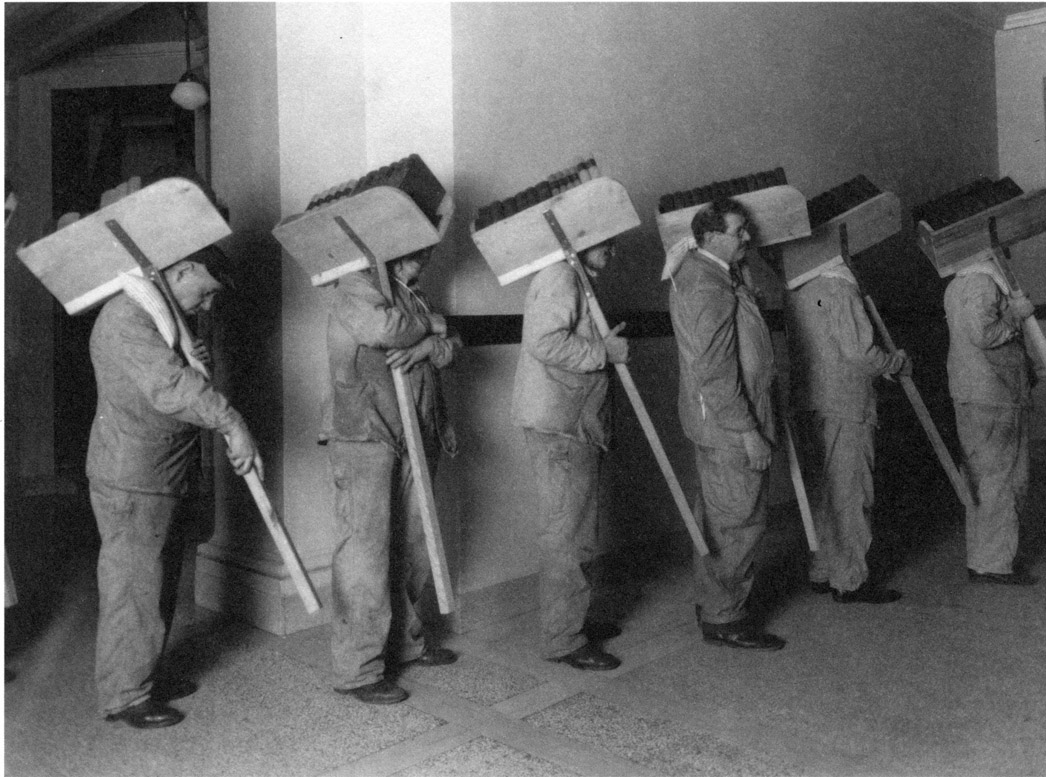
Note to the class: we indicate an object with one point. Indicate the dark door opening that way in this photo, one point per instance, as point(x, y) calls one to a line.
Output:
point(100, 138)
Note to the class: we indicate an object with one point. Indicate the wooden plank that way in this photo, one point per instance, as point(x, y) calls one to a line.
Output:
point(777, 212)
point(301, 581)
point(925, 419)
point(957, 245)
point(910, 390)
point(261, 499)
point(415, 445)
point(795, 472)
point(522, 244)
point(867, 224)
point(630, 390)
point(385, 218)
point(80, 264)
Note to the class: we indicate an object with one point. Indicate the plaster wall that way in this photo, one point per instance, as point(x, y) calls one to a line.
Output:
point(1021, 96)
point(668, 97)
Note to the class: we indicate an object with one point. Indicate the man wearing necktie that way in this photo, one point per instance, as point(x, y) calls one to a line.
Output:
point(726, 367)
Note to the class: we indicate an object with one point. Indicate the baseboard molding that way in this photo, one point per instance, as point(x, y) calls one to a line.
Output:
point(261, 593)
point(492, 604)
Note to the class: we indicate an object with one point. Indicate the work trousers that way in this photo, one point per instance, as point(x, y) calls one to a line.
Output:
point(840, 462)
point(380, 564)
point(143, 539)
point(995, 448)
point(732, 499)
point(566, 472)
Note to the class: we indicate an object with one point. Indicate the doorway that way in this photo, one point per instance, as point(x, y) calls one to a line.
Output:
point(100, 138)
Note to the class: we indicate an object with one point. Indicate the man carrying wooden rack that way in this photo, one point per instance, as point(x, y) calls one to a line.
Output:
point(559, 400)
point(143, 447)
point(378, 523)
point(834, 365)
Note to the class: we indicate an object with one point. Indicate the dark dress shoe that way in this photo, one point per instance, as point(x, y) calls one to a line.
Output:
point(820, 587)
point(437, 656)
point(148, 714)
point(597, 631)
point(173, 689)
point(591, 657)
point(748, 639)
point(1002, 578)
point(384, 691)
point(866, 594)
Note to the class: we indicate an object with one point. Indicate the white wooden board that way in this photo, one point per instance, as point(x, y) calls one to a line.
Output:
point(80, 264)
point(523, 243)
point(778, 213)
point(867, 224)
point(385, 219)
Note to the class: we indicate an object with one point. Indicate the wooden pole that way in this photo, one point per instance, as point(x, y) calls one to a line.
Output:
point(415, 447)
point(279, 535)
point(631, 390)
point(910, 390)
point(797, 479)
point(1032, 329)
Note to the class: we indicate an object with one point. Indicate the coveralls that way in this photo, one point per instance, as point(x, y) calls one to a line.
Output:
point(379, 549)
point(560, 401)
point(726, 368)
point(142, 451)
point(834, 362)
point(989, 378)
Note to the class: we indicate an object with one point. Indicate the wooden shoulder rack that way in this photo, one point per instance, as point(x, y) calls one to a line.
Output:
point(395, 211)
point(81, 263)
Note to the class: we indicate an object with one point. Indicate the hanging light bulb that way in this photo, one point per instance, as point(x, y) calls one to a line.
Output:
point(189, 93)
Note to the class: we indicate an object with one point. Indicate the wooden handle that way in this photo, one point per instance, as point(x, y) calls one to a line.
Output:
point(633, 393)
point(797, 484)
point(415, 450)
point(423, 490)
point(283, 544)
point(916, 400)
point(261, 499)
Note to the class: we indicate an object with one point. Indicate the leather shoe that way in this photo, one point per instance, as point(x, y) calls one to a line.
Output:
point(866, 594)
point(1002, 578)
point(598, 631)
point(148, 714)
point(437, 656)
point(591, 657)
point(749, 639)
point(384, 691)
point(173, 689)
point(820, 587)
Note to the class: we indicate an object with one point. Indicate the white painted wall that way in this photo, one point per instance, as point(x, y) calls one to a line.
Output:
point(1020, 68)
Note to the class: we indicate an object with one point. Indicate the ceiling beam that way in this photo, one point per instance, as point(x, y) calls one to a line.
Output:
point(69, 25)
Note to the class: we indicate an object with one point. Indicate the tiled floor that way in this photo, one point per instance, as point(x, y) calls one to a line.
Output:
point(951, 680)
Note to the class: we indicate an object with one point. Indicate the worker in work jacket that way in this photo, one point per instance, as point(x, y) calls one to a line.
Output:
point(726, 368)
point(378, 521)
point(834, 363)
point(990, 379)
point(143, 448)
point(560, 402)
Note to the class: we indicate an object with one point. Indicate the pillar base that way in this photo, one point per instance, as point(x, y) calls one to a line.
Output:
point(258, 591)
